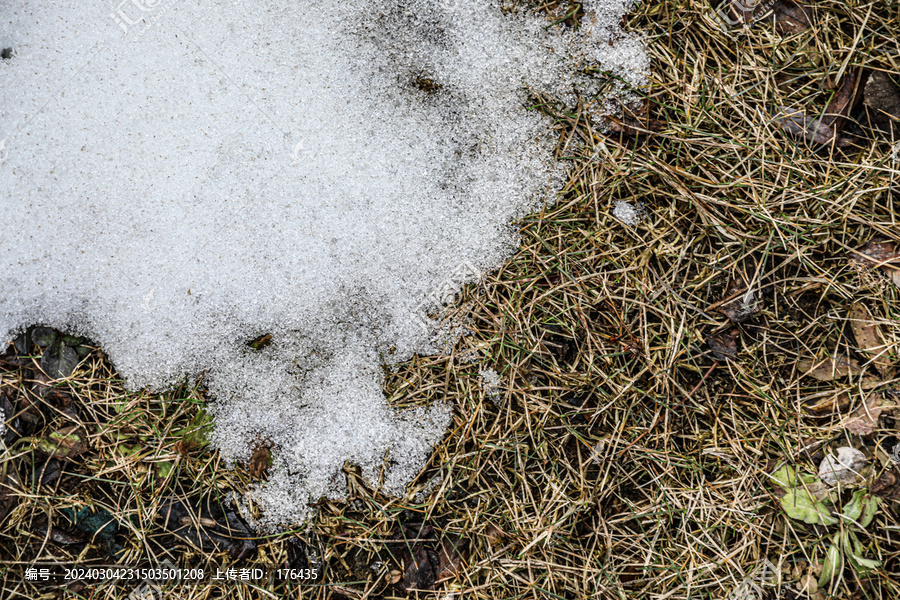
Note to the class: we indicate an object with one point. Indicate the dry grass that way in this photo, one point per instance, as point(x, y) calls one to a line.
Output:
point(620, 459)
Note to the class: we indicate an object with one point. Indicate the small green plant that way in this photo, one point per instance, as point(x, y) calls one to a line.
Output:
point(801, 502)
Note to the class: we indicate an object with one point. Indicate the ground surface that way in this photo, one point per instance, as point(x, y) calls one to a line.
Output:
point(627, 450)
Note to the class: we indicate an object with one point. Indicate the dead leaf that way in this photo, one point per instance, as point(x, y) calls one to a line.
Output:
point(817, 489)
point(418, 560)
point(829, 368)
point(864, 420)
point(881, 253)
point(300, 557)
point(843, 468)
point(810, 450)
point(450, 559)
point(260, 460)
point(812, 129)
point(47, 473)
point(869, 382)
point(789, 18)
point(723, 344)
point(426, 561)
point(206, 524)
point(60, 536)
point(887, 485)
point(59, 360)
point(635, 127)
point(830, 404)
point(67, 443)
point(743, 303)
point(878, 252)
point(842, 100)
point(869, 338)
point(881, 100)
point(494, 535)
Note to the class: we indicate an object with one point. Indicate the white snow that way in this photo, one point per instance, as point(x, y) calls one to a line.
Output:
point(490, 383)
point(179, 177)
point(627, 213)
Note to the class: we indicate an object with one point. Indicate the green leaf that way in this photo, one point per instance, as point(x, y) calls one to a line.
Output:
point(853, 509)
point(163, 469)
point(864, 564)
point(869, 510)
point(854, 551)
point(197, 433)
point(128, 449)
point(861, 508)
point(66, 443)
point(43, 336)
point(786, 476)
point(857, 545)
point(808, 478)
point(73, 340)
point(798, 504)
point(261, 342)
point(834, 562)
point(845, 542)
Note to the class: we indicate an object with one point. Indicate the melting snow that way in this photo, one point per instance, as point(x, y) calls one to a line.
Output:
point(179, 177)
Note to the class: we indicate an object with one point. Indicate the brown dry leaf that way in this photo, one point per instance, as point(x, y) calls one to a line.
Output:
point(635, 127)
point(887, 485)
point(450, 559)
point(259, 461)
point(864, 420)
point(881, 99)
point(494, 535)
point(723, 344)
point(426, 561)
point(817, 490)
point(870, 383)
point(743, 303)
point(813, 129)
point(882, 253)
point(878, 252)
point(843, 99)
point(829, 368)
point(830, 404)
point(868, 337)
point(635, 122)
point(791, 18)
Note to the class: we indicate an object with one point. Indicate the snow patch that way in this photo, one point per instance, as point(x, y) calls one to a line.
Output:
point(628, 213)
point(181, 177)
point(490, 383)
